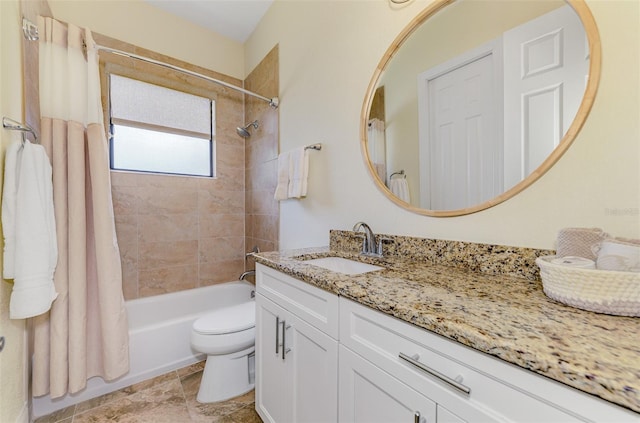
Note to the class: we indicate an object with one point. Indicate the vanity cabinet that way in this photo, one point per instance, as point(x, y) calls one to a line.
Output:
point(372, 370)
point(465, 385)
point(371, 395)
point(296, 350)
point(325, 359)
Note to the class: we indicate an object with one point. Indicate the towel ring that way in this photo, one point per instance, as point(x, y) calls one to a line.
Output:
point(400, 172)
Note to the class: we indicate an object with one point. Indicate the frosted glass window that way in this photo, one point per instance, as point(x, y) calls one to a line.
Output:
point(157, 129)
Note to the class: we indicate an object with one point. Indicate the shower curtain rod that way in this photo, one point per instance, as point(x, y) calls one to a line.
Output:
point(30, 32)
point(273, 102)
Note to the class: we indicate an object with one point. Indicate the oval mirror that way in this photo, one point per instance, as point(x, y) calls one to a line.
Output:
point(476, 99)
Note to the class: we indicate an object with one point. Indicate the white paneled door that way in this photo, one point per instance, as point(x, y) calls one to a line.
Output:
point(460, 130)
point(546, 64)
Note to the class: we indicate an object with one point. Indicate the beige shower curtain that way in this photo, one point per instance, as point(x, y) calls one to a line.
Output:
point(85, 334)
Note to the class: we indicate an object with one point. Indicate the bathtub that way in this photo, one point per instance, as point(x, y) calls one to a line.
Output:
point(159, 331)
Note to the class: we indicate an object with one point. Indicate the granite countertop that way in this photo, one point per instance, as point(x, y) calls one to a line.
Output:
point(504, 316)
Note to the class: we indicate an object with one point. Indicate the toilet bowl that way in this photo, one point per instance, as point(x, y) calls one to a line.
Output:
point(227, 336)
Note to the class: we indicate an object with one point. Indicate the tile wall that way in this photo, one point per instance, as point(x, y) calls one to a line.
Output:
point(261, 154)
point(178, 233)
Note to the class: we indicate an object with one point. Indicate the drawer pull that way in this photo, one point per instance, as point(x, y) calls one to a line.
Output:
point(416, 417)
point(436, 374)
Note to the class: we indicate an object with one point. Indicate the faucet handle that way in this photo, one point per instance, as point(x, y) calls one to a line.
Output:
point(380, 240)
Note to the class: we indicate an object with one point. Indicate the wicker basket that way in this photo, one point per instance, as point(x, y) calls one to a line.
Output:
point(602, 291)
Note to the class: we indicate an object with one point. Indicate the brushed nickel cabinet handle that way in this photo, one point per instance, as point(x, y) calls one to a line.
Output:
point(277, 334)
point(283, 339)
point(416, 417)
point(436, 374)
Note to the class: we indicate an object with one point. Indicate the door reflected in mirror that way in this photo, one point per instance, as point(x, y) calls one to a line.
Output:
point(477, 100)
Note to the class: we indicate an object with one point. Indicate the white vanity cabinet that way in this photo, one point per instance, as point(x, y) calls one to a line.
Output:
point(325, 359)
point(370, 395)
point(296, 350)
point(441, 371)
point(372, 373)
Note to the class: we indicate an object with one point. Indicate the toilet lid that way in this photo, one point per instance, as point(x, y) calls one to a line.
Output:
point(227, 320)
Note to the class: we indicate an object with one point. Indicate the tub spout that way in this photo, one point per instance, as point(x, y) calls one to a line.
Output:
point(247, 273)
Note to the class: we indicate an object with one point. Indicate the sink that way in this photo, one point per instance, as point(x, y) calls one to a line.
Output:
point(343, 265)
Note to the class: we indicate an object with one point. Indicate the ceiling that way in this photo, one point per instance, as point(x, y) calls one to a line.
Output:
point(235, 19)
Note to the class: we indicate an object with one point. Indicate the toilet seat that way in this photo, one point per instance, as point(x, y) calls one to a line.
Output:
point(227, 320)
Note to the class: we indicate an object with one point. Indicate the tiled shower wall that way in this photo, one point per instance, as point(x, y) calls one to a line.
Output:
point(261, 154)
point(177, 233)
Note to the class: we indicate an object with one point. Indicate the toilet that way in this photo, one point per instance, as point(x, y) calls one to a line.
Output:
point(227, 336)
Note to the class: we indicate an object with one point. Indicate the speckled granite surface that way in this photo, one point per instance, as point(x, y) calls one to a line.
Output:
point(486, 258)
point(502, 315)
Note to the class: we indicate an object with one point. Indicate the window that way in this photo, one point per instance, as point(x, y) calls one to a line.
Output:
point(160, 130)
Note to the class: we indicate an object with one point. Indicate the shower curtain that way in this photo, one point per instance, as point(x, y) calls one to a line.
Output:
point(85, 334)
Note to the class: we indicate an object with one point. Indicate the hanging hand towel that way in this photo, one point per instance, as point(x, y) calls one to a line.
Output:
point(14, 151)
point(299, 172)
point(400, 188)
point(284, 169)
point(28, 222)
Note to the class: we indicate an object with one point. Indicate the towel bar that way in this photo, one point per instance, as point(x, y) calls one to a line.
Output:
point(13, 125)
point(317, 146)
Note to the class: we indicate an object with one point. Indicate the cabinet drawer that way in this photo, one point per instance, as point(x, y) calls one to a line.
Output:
point(370, 395)
point(381, 339)
point(317, 307)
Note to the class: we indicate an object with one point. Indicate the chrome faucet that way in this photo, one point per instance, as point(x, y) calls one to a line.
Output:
point(370, 245)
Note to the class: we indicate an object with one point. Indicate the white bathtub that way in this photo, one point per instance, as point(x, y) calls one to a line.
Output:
point(159, 330)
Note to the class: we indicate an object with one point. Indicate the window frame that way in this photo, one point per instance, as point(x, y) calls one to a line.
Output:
point(165, 78)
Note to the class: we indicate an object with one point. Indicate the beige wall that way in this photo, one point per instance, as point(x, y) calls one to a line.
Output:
point(139, 23)
point(13, 359)
point(328, 52)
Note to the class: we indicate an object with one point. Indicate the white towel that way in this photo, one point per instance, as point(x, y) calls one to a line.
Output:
point(400, 188)
point(293, 174)
point(28, 223)
point(284, 169)
point(299, 172)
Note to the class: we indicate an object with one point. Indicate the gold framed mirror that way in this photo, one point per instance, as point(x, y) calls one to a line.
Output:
point(526, 69)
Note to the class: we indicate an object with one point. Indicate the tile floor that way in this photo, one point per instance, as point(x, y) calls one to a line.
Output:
point(170, 398)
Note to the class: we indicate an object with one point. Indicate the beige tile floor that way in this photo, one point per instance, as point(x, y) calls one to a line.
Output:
point(170, 398)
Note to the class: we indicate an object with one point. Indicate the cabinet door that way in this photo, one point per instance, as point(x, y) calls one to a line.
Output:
point(312, 359)
point(296, 368)
point(370, 395)
point(273, 392)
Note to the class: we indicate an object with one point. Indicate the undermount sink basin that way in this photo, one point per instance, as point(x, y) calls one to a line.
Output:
point(343, 265)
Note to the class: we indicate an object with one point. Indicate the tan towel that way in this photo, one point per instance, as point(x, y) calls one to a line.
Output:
point(579, 242)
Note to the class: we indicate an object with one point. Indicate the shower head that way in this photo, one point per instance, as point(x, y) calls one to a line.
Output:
point(244, 131)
